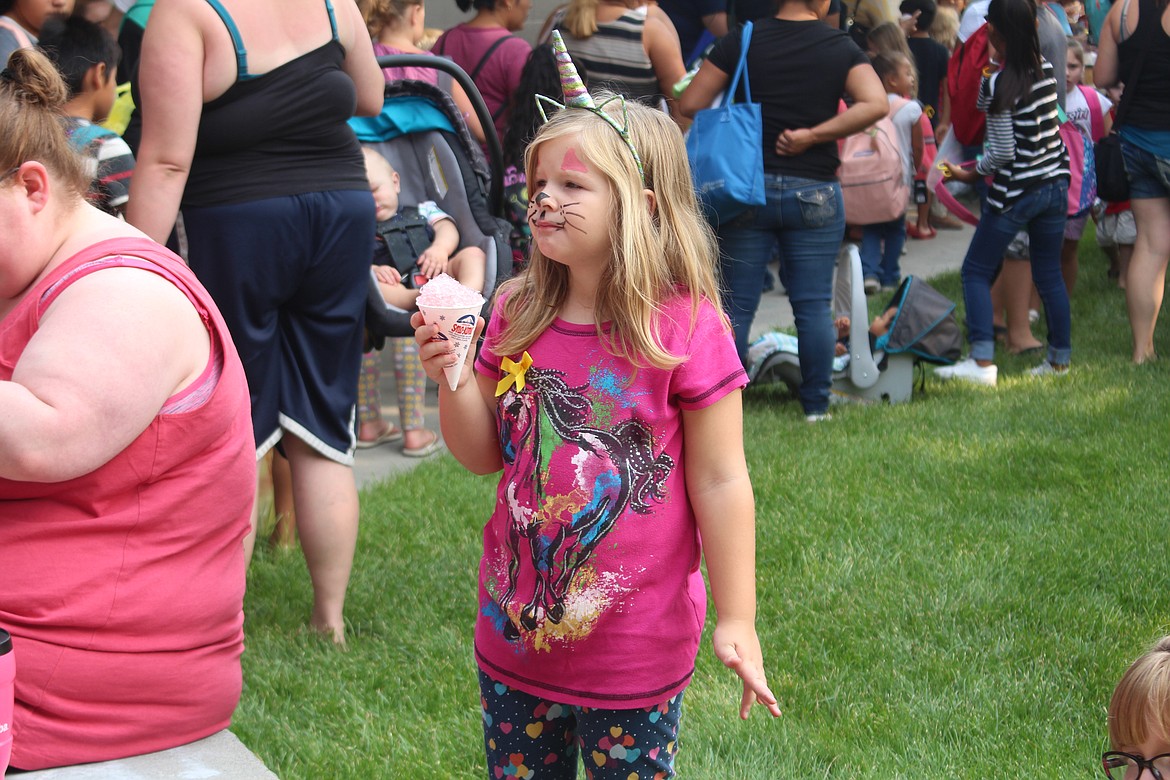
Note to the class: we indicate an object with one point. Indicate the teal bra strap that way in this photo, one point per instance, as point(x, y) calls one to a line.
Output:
point(332, 18)
point(241, 53)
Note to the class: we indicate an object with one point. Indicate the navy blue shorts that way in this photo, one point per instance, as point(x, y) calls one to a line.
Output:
point(290, 276)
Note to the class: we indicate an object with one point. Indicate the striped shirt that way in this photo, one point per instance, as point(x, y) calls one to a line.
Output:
point(1022, 147)
point(615, 57)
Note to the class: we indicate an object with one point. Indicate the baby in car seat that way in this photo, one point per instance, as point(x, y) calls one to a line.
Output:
point(415, 243)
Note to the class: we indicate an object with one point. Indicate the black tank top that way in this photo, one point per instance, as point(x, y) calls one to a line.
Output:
point(1150, 108)
point(279, 133)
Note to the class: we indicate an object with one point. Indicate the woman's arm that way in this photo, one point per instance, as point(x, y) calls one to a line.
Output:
point(720, 493)
point(660, 40)
point(466, 415)
point(107, 355)
point(360, 63)
point(707, 84)
point(869, 105)
point(1105, 72)
point(172, 89)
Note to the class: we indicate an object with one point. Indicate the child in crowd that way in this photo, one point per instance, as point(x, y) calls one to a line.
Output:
point(1139, 718)
point(1025, 155)
point(427, 232)
point(881, 244)
point(21, 22)
point(930, 69)
point(86, 54)
point(428, 236)
point(1116, 229)
point(1080, 112)
point(945, 30)
point(607, 361)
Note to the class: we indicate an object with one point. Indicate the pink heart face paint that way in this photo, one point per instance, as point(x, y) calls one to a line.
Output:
point(571, 162)
point(571, 209)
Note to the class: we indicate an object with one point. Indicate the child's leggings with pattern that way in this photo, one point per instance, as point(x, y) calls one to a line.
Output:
point(410, 380)
point(526, 736)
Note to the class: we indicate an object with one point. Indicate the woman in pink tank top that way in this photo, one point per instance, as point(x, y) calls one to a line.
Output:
point(126, 464)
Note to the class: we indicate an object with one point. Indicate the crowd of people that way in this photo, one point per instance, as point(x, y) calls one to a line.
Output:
point(142, 385)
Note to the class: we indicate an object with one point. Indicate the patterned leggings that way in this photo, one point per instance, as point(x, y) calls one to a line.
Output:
point(529, 738)
point(410, 380)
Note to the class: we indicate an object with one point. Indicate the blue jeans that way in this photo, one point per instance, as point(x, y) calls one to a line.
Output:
point(1041, 213)
point(807, 217)
point(881, 251)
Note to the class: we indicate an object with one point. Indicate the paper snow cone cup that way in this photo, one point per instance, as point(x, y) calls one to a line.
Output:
point(456, 325)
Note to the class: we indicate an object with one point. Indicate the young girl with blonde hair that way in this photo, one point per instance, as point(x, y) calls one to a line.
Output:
point(607, 364)
point(1139, 718)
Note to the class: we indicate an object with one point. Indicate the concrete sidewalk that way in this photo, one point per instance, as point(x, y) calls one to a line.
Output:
point(923, 258)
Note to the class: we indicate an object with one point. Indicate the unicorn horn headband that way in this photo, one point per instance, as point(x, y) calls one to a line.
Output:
point(576, 96)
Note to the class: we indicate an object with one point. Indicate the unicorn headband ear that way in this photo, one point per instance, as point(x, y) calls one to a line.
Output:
point(576, 96)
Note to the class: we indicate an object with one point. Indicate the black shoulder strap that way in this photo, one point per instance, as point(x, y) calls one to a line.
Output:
point(487, 55)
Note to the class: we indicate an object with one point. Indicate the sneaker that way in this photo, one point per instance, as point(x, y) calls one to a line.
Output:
point(969, 371)
point(1049, 369)
point(872, 286)
point(816, 418)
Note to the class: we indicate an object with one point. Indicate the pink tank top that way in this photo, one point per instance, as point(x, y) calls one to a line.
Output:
point(123, 588)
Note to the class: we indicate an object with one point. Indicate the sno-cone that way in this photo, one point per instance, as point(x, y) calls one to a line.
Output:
point(456, 325)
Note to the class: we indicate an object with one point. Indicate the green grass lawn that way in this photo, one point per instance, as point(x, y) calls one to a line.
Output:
point(947, 588)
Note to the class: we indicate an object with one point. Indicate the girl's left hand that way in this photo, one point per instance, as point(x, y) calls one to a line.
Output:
point(958, 173)
point(738, 647)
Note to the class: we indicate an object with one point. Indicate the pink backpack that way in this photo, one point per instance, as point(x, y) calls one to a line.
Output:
point(873, 181)
point(1082, 185)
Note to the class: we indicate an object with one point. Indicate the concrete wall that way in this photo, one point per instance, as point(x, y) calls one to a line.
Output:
point(444, 14)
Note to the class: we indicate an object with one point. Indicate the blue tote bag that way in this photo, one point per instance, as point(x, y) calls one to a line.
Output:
point(725, 149)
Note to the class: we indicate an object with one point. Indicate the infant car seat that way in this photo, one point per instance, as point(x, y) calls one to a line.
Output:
point(421, 132)
point(923, 328)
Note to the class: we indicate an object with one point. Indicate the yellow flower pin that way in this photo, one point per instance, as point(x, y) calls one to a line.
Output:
point(514, 373)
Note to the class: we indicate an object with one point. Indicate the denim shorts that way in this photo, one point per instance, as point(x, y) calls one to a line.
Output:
point(1149, 175)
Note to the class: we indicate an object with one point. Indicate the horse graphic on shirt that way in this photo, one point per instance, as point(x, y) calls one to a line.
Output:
point(613, 471)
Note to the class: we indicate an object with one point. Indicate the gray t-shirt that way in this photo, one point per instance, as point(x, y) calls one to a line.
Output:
point(1053, 46)
point(9, 42)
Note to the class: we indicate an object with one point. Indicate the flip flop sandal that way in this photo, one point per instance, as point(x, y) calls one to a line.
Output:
point(921, 235)
point(430, 448)
point(390, 434)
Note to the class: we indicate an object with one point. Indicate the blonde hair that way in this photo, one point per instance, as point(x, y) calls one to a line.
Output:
point(32, 94)
point(655, 254)
point(377, 164)
point(945, 29)
point(581, 18)
point(1141, 701)
point(382, 14)
point(888, 38)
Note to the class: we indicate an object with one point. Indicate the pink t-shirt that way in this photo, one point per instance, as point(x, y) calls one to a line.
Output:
point(123, 588)
point(589, 588)
point(427, 75)
point(500, 75)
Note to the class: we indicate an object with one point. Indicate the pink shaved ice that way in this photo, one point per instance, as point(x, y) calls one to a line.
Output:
point(443, 292)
